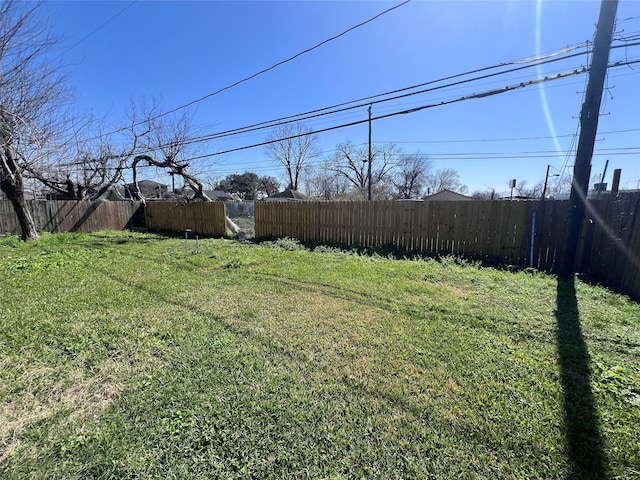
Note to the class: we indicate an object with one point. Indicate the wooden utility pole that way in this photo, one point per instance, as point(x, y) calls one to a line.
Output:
point(546, 180)
point(370, 160)
point(588, 129)
point(615, 184)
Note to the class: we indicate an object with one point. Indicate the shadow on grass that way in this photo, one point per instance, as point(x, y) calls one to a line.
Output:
point(394, 401)
point(585, 445)
point(582, 424)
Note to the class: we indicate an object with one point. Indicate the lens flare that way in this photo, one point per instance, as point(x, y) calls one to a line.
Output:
point(541, 86)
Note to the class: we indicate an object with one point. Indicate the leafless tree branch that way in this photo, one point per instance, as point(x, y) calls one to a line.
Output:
point(293, 148)
point(32, 96)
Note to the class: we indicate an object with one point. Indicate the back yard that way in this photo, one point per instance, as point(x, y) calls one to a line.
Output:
point(128, 356)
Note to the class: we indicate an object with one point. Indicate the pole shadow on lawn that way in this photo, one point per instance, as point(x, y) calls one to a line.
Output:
point(585, 445)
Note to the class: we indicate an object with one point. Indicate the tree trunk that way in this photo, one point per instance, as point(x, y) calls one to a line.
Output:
point(13, 187)
point(27, 225)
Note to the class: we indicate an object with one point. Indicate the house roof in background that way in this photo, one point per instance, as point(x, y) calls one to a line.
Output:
point(447, 195)
point(148, 183)
point(290, 193)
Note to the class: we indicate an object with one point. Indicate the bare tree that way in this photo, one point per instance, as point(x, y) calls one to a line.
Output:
point(487, 194)
point(445, 179)
point(385, 160)
point(523, 190)
point(98, 164)
point(323, 182)
point(152, 139)
point(559, 185)
point(411, 175)
point(351, 163)
point(32, 94)
point(293, 147)
point(161, 141)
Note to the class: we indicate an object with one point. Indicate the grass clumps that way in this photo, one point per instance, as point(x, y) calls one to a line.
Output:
point(123, 355)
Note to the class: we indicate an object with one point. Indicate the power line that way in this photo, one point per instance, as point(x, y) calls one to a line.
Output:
point(432, 105)
point(512, 139)
point(412, 110)
point(268, 69)
point(473, 156)
point(495, 156)
point(485, 94)
point(334, 109)
point(484, 155)
point(100, 27)
point(362, 102)
point(499, 155)
point(416, 102)
point(538, 157)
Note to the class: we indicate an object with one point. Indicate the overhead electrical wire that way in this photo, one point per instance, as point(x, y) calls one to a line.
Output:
point(335, 109)
point(395, 106)
point(512, 139)
point(573, 137)
point(366, 101)
point(100, 27)
point(539, 157)
point(370, 100)
point(484, 94)
point(423, 107)
point(496, 156)
point(265, 70)
point(486, 155)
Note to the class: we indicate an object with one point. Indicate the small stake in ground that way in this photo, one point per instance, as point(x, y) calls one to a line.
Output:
point(186, 236)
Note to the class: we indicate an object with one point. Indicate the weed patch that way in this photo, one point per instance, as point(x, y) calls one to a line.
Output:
point(124, 356)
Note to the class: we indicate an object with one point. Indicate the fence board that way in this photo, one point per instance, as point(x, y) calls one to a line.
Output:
point(203, 218)
point(493, 230)
point(73, 216)
point(487, 229)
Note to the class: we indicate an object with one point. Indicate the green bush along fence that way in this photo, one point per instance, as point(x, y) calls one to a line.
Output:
point(524, 233)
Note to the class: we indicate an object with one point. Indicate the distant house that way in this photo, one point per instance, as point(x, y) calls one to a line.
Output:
point(447, 195)
point(215, 195)
point(114, 193)
point(148, 188)
point(288, 195)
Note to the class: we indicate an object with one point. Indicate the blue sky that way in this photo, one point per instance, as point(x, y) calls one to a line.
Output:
point(116, 52)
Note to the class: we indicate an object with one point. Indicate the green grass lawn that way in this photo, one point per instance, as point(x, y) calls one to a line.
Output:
point(128, 356)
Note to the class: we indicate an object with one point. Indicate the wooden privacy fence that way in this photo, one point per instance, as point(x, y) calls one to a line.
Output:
point(524, 233)
point(610, 242)
point(498, 230)
point(73, 216)
point(205, 218)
